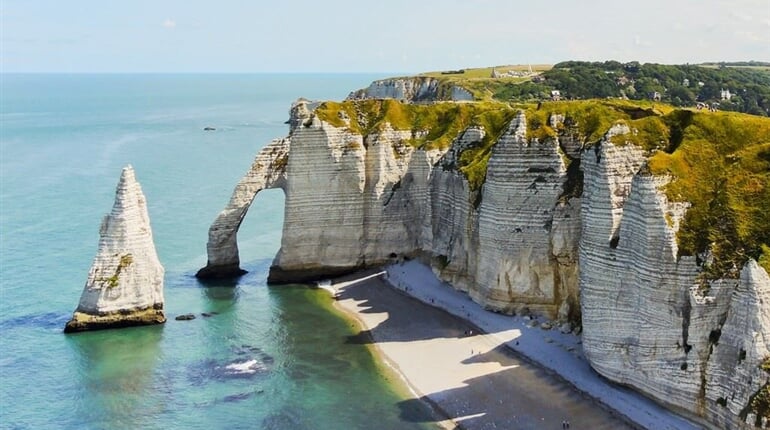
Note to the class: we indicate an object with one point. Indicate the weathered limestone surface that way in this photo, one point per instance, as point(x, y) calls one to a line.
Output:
point(267, 171)
point(733, 376)
point(516, 266)
point(574, 233)
point(354, 201)
point(125, 282)
point(646, 321)
point(412, 89)
point(323, 219)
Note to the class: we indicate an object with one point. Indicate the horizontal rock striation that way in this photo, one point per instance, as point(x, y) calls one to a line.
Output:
point(323, 216)
point(413, 89)
point(125, 282)
point(356, 201)
point(647, 320)
point(523, 226)
point(578, 231)
point(267, 171)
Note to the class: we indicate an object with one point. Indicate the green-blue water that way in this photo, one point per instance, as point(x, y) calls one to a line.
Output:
point(63, 141)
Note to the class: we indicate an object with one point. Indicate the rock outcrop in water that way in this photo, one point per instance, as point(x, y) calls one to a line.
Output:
point(267, 171)
point(576, 229)
point(125, 283)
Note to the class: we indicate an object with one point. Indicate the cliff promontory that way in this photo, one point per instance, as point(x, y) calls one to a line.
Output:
point(644, 226)
point(125, 283)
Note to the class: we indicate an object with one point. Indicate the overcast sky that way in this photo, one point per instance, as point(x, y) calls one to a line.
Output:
point(370, 36)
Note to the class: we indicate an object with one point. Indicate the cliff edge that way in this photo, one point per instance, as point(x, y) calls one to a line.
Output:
point(640, 225)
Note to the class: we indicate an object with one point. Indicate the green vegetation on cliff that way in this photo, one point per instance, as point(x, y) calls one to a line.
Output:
point(719, 161)
point(721, 165)
point(433, 126)
point(741, 89)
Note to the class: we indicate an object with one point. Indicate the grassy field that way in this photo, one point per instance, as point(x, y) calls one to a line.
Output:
point(486, 72)
point(762, 67)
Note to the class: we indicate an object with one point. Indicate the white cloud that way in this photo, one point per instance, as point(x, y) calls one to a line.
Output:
point(169, 23)
point(743, 17)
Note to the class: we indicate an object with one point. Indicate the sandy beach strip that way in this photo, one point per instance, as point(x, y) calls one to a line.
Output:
point(464, 369)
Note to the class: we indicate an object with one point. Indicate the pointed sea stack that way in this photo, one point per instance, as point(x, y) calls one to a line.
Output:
point(125, 283)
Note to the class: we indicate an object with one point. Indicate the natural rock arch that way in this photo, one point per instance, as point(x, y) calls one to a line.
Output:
point(268, 171)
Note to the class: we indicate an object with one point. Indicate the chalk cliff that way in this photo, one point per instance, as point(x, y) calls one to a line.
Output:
point(413, 89)
point(267, 171)
point(125, 282)
point(562, 225)
point(647, 321)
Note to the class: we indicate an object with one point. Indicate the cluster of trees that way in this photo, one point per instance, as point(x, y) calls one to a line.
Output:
point(680, 85)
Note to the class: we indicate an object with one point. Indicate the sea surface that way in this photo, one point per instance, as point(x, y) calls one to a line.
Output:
point(267, 358)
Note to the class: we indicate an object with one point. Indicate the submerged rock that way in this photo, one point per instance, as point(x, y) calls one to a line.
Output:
point(125, 283)
point(185, 317)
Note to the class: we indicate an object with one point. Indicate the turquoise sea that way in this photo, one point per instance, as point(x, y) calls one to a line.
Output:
point(271, 358)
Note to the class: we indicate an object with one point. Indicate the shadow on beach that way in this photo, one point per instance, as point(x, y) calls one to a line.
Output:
point(378, 297)
point(518, 395)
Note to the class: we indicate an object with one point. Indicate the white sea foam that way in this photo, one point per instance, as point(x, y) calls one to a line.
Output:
point(245, 367)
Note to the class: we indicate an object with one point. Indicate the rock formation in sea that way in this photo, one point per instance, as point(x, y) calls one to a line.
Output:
point(564, 219)
point(267, 171)
point(125, 282)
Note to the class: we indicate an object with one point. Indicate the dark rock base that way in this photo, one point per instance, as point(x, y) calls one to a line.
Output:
point(85, 322)
point(220, 272)
point(279, 275)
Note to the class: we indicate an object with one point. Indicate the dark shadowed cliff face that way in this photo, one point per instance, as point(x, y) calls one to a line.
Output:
point(557, 211)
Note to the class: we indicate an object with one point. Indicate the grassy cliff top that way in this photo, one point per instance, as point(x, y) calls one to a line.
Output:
point(721, 165)
point(433, 126)
point(718, 161)
point(739, 87)
point(486, 72)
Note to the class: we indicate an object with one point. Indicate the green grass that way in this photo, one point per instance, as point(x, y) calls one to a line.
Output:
point(125, 261)
point(486, 72)
point(589, 120)
point(720, 162)
point(722, 167)
point(442, 121)
point(480, 83)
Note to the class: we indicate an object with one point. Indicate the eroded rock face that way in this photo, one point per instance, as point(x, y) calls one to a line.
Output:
point(732, 373)
point(413, 89)
point(323, 219)
point(125, 283)
point(357, 201)
point(557, 229)
point(523, 224)
point(647, 322)
point(267, 171)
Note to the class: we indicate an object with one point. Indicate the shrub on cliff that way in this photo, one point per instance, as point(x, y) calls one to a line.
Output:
point(719, 162)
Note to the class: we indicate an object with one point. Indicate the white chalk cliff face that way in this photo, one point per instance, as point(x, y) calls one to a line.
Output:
point(125, 283)
point(646, 321)
point(574, 234)
point(412, 89)
point(267, 171)
point(527, 232)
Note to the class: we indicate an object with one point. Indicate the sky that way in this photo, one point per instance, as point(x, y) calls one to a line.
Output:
point(247, 36)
